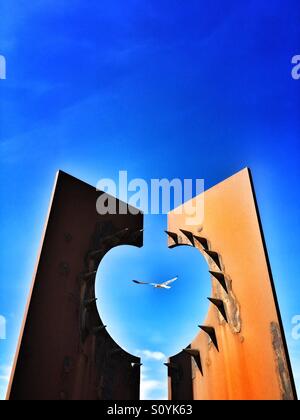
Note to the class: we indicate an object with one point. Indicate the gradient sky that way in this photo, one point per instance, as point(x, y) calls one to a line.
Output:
point(161, 89)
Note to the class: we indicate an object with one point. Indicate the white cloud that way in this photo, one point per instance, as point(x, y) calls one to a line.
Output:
point(152, 389)
point(151, 355)
point(2, 328)
point(5, 373)
point(296, 371)
point(294, 350)
point(149, 386)
point(4, 379)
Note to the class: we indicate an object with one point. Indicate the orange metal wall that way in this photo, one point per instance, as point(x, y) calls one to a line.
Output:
point(252, 361)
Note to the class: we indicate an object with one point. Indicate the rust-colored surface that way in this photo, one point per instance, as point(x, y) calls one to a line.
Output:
point(252, 361)
point(64, 351)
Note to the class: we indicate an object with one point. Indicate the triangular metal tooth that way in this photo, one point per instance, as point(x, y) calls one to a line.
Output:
point(192, 352)
point(221, 307)
point(115, 351)
point(89, 276)
point(97, 330)
point(103, 243)
point(174, 237)
point(214, 256)
point(220, 278)
point(210, 331)
point(94, 254)
point(89, 302)
point(202, 241)
point(189, 235)
point(134, 365)
point(172, 366)
point(137, 235)
point(117, 236)
point(195, 354)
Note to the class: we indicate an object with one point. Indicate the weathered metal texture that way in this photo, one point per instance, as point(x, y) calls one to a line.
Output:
point(64, 351)
point(180, 377)
point(252, 361)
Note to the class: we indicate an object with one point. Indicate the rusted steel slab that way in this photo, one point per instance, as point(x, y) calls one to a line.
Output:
point(64, 350)
point(252, 361)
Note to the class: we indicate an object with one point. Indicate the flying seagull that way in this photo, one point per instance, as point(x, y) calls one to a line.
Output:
point(165, 285)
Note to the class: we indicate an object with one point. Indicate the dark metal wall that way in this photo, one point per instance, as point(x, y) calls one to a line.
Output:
point(180, 377)
point(65, 352)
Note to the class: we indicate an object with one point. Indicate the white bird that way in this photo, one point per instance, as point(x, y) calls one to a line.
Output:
point(165, 285)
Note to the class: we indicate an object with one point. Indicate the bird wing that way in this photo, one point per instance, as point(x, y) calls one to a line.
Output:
point(170, 281)
point(139, 282)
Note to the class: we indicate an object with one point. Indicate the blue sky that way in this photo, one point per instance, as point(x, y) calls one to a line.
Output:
point(160, 89)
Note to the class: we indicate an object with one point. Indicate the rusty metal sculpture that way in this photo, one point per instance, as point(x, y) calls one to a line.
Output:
point(64, 351)
point(241, 347)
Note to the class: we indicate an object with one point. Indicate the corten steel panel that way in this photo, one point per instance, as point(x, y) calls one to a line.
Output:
point(249, 359)
point(180, 377)
point(64, 350)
